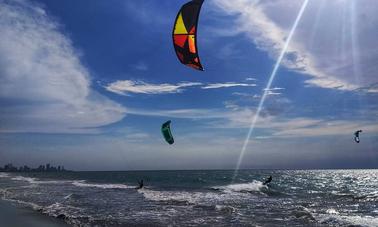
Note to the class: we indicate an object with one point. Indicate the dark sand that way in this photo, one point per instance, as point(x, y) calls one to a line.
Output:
point(14, 216)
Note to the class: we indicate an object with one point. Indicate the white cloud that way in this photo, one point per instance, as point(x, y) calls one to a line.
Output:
point(180, 113)
point(329, 128)
point(373, 88)
point(43, 85)
point(226, 85)
point(274, 89)
point(123, 87)
point(295, 127)
point(236, 117)
point(273, 93)
point(335, 41)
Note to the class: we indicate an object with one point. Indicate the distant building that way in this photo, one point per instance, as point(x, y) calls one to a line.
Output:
point(48, 168)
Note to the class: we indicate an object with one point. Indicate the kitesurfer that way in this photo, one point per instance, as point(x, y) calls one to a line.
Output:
point(357, 136)
point(267, 181)
point(140, 184)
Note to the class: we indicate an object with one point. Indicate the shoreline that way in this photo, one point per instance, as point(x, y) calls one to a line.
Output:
point(16, 216)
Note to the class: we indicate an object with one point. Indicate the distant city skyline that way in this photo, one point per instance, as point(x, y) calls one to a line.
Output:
point(41, 168)
point(87, 84)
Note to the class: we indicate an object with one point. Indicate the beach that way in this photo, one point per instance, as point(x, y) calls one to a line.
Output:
point(15, 216)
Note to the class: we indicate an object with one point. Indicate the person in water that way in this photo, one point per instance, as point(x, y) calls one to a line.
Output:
point(267, 181)
point(140, 184)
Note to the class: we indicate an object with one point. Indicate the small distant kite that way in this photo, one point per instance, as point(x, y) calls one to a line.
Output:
point(185, 34)
point(166, 130)
point(357, 136)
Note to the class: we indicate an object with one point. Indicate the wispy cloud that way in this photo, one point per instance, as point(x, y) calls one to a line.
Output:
point(328, 128)
point(42, 73)
point(226, 85)
point(247, 95)
point(141, 66)
point(180, 113)
point(336, 59)
point(373, 88)
point(274, 91)
point(236, 117)
point(123, 87)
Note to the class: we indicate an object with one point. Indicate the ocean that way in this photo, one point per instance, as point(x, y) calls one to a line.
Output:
point(203, 197)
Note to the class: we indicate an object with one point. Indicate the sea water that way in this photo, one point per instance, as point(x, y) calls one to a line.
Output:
point(203, 197)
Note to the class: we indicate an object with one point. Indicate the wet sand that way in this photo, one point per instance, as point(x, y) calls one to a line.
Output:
point(15, 216)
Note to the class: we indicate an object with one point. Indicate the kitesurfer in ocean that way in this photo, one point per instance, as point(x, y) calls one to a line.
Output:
point(140, 184)
point(267, 181)
point(357, 136)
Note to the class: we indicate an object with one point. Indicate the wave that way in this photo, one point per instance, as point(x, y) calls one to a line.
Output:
point(373, 196)
point(230, 192)
point(27, 179)
point(4, 175)
point(225, 209)
point(78, 183)
point(24, 203)
point(303, 213)
point(254, 186)
point(70, 214)
point(180, 197)
point(335, 219)
point(32, 180)
point(83, 183)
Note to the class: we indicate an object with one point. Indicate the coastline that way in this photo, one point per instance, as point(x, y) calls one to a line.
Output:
point(15, 216)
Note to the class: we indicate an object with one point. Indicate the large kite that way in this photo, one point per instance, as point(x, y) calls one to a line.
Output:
point(166, 130)
point(185, 34)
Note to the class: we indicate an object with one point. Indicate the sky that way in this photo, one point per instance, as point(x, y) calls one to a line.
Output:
point(87, 84)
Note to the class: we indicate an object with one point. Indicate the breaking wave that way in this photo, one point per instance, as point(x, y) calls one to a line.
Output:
point(83, 183)
point(334, 219)
point(254, 186)
point(32, 180)
point(4, 175)
point(180, 197)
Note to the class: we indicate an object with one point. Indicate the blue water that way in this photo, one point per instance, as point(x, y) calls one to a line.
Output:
point(191, 198)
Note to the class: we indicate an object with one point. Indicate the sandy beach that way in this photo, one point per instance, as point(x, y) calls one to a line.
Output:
point(12, 215)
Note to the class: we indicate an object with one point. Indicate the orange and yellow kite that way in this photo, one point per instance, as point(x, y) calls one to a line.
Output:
point(185, 34)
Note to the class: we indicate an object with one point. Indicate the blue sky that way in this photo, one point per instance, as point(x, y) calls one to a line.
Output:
point(87, 84)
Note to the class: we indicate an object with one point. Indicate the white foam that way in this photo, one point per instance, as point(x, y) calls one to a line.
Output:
point(228, 209)
point(67, 196)
point(28, 179)
point(82, 183)
point(4, 175)
point(349, 220)
point(254, 186)
point(70, 214)
point(57, 208)
point(28, 204)
point(181, 196)
point(332, 211)
point(37, 181)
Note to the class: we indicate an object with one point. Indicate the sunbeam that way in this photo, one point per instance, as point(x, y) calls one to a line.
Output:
point(268, 86)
